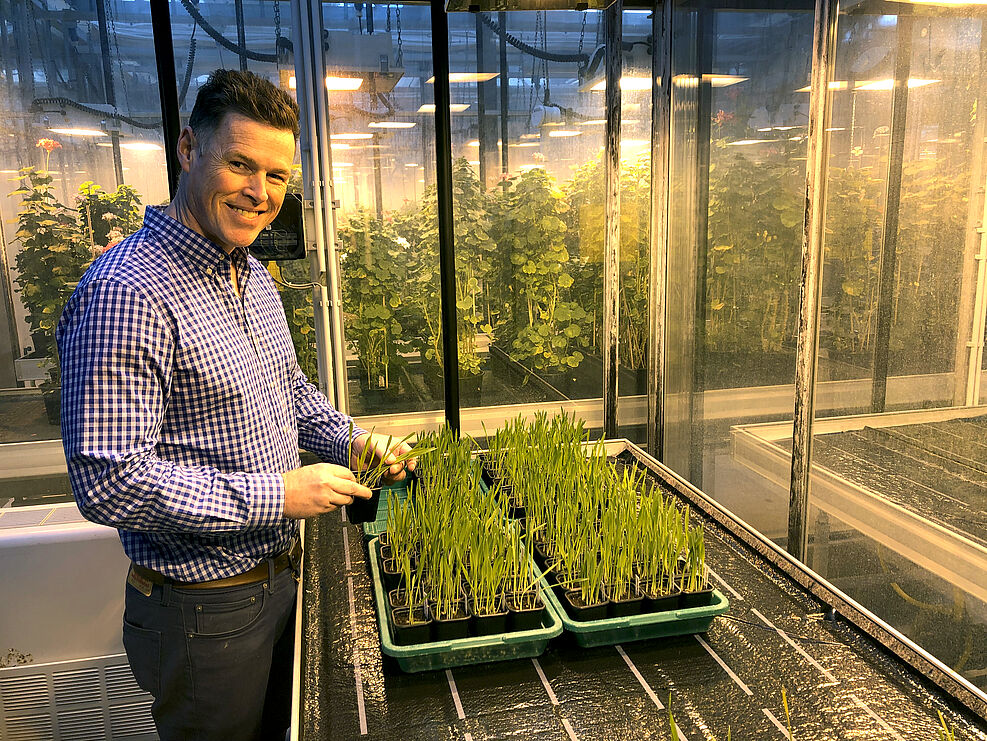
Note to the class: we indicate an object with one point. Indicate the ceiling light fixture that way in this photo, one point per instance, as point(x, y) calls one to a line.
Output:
point(453, 107)
point(139, 146)
point(79, 132)
point(391, 124)
point(466, 77)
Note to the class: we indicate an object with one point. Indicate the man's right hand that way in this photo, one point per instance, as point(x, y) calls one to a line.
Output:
point(319, 488)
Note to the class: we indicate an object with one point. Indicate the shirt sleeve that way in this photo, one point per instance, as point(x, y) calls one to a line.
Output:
point(117, 357)
point(321, 428)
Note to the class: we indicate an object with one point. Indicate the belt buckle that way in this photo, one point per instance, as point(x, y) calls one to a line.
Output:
point(140, 583)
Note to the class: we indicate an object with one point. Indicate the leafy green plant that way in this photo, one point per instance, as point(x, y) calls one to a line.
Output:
point(547, 328)
point(474, 259)
point(584, 238)
point(375, 265)
point(52, 258)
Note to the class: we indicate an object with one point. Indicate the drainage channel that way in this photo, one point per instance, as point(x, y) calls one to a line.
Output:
point(772, 647)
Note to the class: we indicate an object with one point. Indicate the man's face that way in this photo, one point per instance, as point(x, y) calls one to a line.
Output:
point(236, 179)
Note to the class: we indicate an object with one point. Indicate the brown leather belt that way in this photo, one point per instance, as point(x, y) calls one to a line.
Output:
point(260, 572)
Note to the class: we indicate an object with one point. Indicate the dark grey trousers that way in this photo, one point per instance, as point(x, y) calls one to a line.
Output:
point(217, 661)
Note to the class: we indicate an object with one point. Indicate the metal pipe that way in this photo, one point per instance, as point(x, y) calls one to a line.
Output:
point(241, 35)
point(443, 182)
point(611, 243)
point(503, 83)
point(164, 58)
point(813, 233)
point(378, 178)
point(706, 36)
point(661, 128)
point(889, 243)
point(321, 243)
point(109, 96)
point(481, 108)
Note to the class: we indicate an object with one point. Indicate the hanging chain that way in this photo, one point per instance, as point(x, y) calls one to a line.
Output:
point(387, 26)
point(277, 34)
point(582, 32)
point(399, 58)
point(111, 17)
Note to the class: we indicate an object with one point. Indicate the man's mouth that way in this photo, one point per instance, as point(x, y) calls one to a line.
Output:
point(245, 213)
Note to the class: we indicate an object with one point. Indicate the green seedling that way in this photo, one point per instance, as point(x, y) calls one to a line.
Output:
point(946, 732)
point(371, 469)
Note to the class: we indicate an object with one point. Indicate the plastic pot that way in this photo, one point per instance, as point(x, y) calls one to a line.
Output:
point(580, 611)
point(524, 611)
point(453, 627)
point(702, 598)
point(410, 625)
point(363, 510)
point(490, 623)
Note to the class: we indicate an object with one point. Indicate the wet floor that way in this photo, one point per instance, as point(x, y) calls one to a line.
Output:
point(838, 683)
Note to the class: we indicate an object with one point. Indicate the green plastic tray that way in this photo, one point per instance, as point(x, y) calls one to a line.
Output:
point(422, 657)
point(608, 631)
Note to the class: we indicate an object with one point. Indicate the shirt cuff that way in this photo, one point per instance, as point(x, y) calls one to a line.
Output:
point(266, 499)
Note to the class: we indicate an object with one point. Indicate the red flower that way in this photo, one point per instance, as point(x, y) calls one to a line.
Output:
point(48, 145)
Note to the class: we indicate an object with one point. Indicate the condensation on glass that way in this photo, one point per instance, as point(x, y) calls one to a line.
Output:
point(898, 446)
point(739, 126)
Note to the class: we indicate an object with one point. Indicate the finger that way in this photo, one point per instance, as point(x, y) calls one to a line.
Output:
point(340, 500)
point(361, 491)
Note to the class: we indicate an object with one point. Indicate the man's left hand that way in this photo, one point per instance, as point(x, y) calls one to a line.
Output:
point(386, 448)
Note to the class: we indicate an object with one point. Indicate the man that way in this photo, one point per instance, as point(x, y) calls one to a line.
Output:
point(183, 410)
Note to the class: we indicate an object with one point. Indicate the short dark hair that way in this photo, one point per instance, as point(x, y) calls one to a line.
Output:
point(232, 91)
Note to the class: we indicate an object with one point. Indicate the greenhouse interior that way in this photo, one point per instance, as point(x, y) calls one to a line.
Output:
point(682, 300)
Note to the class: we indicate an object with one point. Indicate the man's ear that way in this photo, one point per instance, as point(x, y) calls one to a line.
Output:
point(186, 146)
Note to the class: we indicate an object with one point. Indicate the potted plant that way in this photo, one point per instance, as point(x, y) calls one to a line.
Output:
point(547, 329)
point(52, 258)
point(374, 313)
point(474, 250)
point(584, 239)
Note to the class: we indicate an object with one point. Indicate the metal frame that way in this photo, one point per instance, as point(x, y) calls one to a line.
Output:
point(316, 157)
point(164, 58)
point(443, 182)
point(613, 17)
point(889, 242)
point(661, 137)
point(813, 234)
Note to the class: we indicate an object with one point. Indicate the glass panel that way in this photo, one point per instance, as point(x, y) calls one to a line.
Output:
point(898, 476)
point(635, 215)
point(532, 291)
point(379, 61)
point(77, 177)
point(738, 160)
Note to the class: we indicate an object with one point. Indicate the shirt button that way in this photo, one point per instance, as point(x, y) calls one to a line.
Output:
point(288, 430)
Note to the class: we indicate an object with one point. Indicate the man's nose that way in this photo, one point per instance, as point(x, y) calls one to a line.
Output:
point(256, 187)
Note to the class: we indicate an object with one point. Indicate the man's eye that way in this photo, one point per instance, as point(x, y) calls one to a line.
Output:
point(239, 165)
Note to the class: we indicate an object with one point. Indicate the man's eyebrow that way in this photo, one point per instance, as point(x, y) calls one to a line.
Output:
point(236, 155)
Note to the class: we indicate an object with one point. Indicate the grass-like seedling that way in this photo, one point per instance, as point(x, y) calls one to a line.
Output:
point(372, 469)
point(946, 732)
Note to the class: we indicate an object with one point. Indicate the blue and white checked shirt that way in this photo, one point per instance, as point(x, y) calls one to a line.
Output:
point(182, 403)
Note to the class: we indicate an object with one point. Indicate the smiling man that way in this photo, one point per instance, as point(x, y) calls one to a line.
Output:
point(183, 409)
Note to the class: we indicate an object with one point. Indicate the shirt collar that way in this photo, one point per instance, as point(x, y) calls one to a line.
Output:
point(185, 244)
